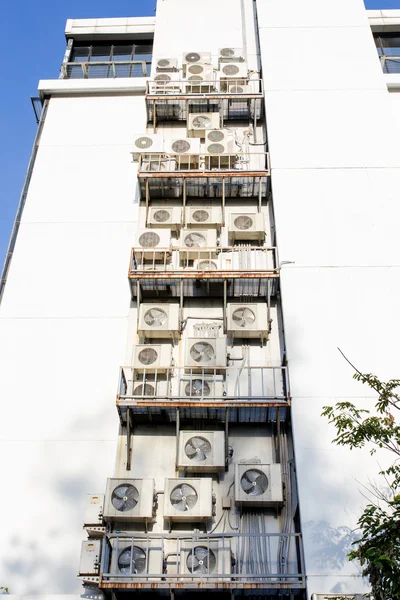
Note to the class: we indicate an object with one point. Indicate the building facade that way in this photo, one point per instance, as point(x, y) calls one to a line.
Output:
point(240, 158)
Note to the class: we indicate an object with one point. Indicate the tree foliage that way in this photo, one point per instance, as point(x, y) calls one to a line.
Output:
point(378, 547)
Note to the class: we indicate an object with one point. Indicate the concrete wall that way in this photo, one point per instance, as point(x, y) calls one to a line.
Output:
point(335, 171)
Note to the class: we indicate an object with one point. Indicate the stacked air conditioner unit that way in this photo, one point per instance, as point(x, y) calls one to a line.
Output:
point(157, 163)
point(258, 484)
point(198, 243)
point(149, 387)
point(201, 451)
point(247, 320)
point(129, 500)
point(165, 216)
point(89, 563)
point(198, 71)
point(206, 557)
point(205, 354)
point(204, 216)
point(137, 557)
point(201, 387)
point(200, 123)
point(188, 499)
point(246, 226)
point(230, 55)
point(151, 358)
point(166, 83)
point(152, 243)
point(166, 65)
point(234, 71)
point(195, 58)
point(206, 264)
point(186, 152)
point(220, 141)
point(158, 320)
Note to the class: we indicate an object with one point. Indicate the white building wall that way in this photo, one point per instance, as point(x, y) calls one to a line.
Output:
point(63, 326)
point(335, 171)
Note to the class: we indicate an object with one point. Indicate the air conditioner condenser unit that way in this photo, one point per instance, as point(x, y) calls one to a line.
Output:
point(246, 226)
point(147, 143)
point(201, 451)
point(152, 243)
point(235, 70)
point(230, 55)
point(205, 354)
point(152, 358)
point(158, 320)
point(90, 559)
point(188, 499)
point(200, 123)
point(206, 557)
point(202, 388)
point(157, 163)
point(168, 217)
point(258, 484)
point(93, 515)
point(196, 58)
point(204, 216)
point(165, 83)
point(220, 141)
point(198, 243)
point(136, 556)
point(165, 65)
point(129, 500)
point(247, 320)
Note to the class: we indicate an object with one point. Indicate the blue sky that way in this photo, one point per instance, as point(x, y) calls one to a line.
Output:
point(32, 45)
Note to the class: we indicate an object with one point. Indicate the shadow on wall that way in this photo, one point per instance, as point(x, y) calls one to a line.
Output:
point(330, 546)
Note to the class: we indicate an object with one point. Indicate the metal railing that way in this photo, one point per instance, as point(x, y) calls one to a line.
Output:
point(267, 560)
point(239, 87)
point(196, 163)
point(236, 384)
point(390, 64)
point(210, 263)
point(106, 69)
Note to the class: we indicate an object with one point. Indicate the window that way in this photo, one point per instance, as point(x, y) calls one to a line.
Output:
point(109, 60)
point(388, 46)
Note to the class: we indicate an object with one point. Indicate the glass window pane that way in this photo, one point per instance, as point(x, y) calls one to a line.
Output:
point(100, 54)
point(143, 52)
point(378, 44)
point(391, 45)
point(122, 53)
point(79, 54)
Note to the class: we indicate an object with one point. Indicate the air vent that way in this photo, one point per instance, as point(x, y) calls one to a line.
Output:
point(258, 484)
point(201, 451)
point(199, 123)
point(206, 353)
point(247, 320)
point(158, 320)
point(129, 499)
point(197, 244)
point(188, 499)
point(246, 226)
point(204, 216)
point(151, 358)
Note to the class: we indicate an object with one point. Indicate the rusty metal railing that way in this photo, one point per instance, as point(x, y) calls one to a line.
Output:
point(171, 85)
point(239, 162)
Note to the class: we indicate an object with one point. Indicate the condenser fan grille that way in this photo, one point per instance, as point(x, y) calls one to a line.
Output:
point(227, 52)
point(195, 69)
point(162, 78)
point(125, 497)
point(163, 62)
point(201, 560)
point(161, 216)
point(150, 239)
point(206, 265)
point(230, 70)
point(144, 390)
point(254, 482)
point(195, 240)
point(202, 352)
point(236, 89)
point(197, 449)
point(216, 148)
point(215, 136)
point(197, 388)
point(200, 216)
point(183, 497)
point(143, 143)
point(192, 57)
point(180, 146)
point(155, 317)
point(244, 222)
point(243, 317)
point(148, 356)
point(201, 122)
point(132, 560)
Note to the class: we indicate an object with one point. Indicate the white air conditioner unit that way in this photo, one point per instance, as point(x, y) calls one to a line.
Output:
point(149, 387)
point(205, 353)
point(188, 499)
point(230, 55)
point(129, 499)
point(196, 58)
point(165, 216)
point(198, 73)
point(234, 71)
point(152, 243)
point(165, 83)
point(204, 216)
point(239, 88)
point(202, 387)
point(220, 141)
point(335, 596)
point(247, 320)
point(201, 451)
point(158, 320)
point(206, 557)
point(147, 143)
point(206, 264)
point(196, 244)
point(150, 358)
point(199, 123)
point(246, 226)
point(157, 164)
point(186, 150)
point(258, 484)
point(89, 563)
point(136, 556)
point(94, 510)
point(164, 65)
